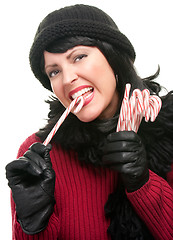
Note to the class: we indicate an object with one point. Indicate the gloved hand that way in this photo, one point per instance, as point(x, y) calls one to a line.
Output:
point(32, 181)
point(125, 153)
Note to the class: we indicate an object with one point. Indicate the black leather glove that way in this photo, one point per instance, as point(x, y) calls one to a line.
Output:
point(125, 153)
point(32, 181)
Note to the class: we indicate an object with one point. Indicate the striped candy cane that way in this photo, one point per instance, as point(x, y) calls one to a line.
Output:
point(80, 101)
point(124, 110)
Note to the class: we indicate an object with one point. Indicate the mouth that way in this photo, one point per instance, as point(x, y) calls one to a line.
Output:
point(84, 91)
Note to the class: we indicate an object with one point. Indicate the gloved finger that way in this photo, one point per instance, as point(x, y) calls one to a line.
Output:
point(120, 146)
point(22, 166)
point(131, 171)
point(36, 158)
point(43, 151)
point(49, 173)
point(119, 158)
point(130, 136)
point(47, 156)
point(127, 168)
point(40, 148)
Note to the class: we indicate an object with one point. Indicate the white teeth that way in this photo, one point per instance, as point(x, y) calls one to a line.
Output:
point(79, 93)
point(88, 95)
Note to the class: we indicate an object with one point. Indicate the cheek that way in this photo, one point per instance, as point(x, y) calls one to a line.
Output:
point(95, 70)
point(107, 82)
point(92, 67)
point(58, 91)
point(56, 87)
point(102, 73)
point(53, 87)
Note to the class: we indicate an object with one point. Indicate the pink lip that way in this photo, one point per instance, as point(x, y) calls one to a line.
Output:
point(77, 89)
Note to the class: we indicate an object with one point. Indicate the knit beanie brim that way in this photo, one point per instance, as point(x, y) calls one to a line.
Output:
point(77, 20)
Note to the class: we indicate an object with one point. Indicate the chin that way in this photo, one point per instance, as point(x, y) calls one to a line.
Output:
point(87, 117)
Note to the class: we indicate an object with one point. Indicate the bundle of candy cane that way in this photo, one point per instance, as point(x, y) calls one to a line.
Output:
point(133, 109)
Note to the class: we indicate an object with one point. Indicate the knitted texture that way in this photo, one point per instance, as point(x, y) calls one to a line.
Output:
point(80, 194)
point(78, 20)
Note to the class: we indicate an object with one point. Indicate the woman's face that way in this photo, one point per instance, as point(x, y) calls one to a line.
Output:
point(85, 71)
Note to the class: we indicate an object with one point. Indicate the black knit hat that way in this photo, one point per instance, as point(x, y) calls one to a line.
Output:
point(77, 20)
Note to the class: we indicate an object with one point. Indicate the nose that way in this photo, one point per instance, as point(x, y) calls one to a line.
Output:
point(69, 75)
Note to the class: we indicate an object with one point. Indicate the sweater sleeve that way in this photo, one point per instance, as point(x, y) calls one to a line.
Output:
point(154, 204)
point(52, 229)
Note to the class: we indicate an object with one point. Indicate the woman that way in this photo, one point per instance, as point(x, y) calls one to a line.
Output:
point(92, 182)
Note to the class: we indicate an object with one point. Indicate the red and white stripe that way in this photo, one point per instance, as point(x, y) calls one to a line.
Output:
point(80, 102)
point(140, 104)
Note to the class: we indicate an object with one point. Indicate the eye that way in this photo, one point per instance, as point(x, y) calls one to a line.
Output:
point(79, 57)
point(53, 73)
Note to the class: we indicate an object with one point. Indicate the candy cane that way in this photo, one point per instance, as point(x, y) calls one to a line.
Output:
point(140, 105)
point(155, 105)
point(146, 96)
point(123, 111)
point(80, 101)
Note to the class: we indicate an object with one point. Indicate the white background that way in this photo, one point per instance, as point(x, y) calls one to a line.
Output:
point(148, 25)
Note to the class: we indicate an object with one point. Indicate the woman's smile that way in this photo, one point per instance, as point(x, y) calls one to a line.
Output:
point(83, 70)
point(86, 91)
point(82, 90)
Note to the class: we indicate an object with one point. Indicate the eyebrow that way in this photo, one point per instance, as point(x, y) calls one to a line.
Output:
point(75, 50)
point(51, 65)
point(68, 57)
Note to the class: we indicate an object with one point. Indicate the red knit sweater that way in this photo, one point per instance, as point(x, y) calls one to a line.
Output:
point(81, 193)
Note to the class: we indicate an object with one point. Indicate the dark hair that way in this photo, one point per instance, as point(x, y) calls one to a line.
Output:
point(87, 138)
